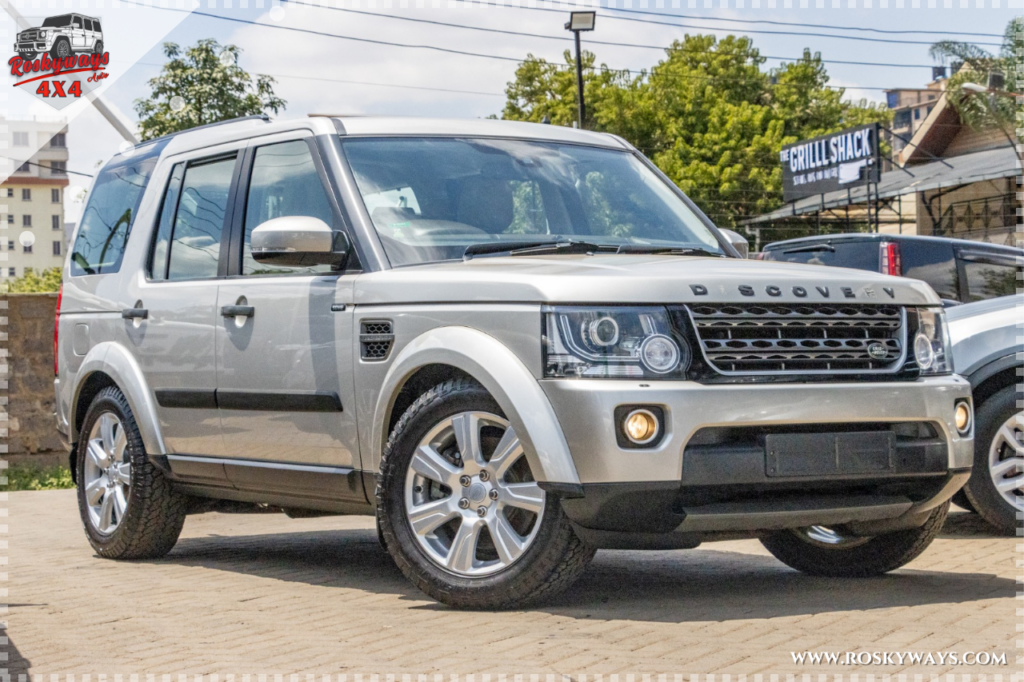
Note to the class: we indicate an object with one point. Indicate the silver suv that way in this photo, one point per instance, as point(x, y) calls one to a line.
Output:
point(512, 343)
point(61, 36)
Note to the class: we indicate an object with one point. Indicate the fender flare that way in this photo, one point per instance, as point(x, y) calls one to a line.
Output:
point(115, 361)
point(992, 366)
point(504, 376)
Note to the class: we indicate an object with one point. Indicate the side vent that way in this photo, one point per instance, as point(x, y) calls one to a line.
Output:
point(375, 340)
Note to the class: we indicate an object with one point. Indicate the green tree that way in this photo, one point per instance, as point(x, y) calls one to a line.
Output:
point(203, 84)
point(979, 110)
point(707, 114)
point(31, 283)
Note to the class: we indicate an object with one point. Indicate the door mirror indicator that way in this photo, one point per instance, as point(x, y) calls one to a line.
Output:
point(299, 240)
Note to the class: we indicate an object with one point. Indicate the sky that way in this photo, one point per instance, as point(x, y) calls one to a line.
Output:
point(324, 74)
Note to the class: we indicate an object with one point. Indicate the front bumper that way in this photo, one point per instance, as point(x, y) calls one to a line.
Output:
point(31, 46)
point(690, 485)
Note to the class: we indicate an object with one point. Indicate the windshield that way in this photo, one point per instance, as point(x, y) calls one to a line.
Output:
point(431, 198)
point(57, 22)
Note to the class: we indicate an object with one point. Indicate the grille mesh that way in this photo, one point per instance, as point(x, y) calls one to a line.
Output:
point(792, 339)
point(375, 339)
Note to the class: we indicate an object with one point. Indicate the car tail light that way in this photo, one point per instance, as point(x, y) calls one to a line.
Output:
point(56, 330)
point(889, 255)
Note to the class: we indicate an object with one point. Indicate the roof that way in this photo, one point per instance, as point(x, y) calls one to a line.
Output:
point(875, 236)
point(990, 164)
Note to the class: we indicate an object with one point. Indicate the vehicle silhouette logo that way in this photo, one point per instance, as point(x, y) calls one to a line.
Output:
point(60, 59)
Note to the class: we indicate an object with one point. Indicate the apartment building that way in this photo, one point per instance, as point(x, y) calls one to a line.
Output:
point(911, 107)
point(32, 196)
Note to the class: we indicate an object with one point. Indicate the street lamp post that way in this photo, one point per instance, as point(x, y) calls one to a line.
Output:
point(579, 22)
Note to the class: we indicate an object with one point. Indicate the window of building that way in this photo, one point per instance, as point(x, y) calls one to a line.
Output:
point(26, 220)
point(10, 245)
point(26, 194)
point(24, 168)
point(59, 140)
point(55, 222)
point(931, 97)
point(10, 193)
point(892, 99)
point(284, 182)
point(59, 168)
point(930, 107)
point(54, 196)
point(26, 248)
point(20, 139)
point(901, 119)
point(917, 114)
point(10, 218)
point(12, 272)
point(56, 248)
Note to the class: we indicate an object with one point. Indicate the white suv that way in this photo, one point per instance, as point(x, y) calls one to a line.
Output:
point(512, 343)
point(61, 36)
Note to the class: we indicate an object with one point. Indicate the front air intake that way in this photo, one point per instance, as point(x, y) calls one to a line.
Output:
point(375, 340)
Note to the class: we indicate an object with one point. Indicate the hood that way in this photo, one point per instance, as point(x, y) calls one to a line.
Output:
point(619, 278)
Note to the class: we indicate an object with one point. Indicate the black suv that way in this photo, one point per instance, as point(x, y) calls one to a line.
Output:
point(958, 270)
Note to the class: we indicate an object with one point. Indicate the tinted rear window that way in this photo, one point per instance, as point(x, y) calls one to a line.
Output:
point(858, 255)
point(110, 212)
point(933, 263)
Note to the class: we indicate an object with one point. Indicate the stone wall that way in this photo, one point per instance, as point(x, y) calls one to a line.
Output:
point(27, 378)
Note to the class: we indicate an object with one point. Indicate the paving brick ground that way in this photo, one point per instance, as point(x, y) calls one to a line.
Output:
point(264, 594)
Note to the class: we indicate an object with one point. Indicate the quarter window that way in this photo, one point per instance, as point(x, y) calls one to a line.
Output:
point(284, 182)
point(989, 280)
point(199, 221)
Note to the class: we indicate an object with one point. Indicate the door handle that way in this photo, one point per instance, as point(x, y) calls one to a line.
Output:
point(135, 314)
point(237, 311)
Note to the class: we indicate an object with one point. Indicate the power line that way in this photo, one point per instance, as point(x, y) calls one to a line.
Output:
point(39, 165)
point(719, 28)
point(589, 41)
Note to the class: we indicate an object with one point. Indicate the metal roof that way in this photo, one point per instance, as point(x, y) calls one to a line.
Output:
point(990, 164)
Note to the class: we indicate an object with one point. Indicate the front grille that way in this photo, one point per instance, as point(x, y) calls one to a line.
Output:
point(800, 339)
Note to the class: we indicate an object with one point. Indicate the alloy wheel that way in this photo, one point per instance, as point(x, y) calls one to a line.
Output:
point(470, 498)
point(1006, 460)
point(108, 473)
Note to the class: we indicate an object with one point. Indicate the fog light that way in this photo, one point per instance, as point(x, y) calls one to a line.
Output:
point(962, 417)
point(641, 426)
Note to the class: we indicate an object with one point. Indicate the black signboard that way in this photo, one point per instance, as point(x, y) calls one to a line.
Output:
point(831, 162)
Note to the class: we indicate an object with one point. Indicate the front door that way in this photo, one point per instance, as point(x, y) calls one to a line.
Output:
point(284, 341)
point(172, 333)
point(77, 32)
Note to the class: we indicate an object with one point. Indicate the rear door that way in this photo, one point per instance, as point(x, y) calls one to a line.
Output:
point(284, 338)
point(174, 340)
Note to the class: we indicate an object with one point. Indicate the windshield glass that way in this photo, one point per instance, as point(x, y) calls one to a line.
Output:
point(57, 22)
point(431, 198)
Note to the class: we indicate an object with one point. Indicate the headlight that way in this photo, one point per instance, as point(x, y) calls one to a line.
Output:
point(930, 344)
point(612, 342)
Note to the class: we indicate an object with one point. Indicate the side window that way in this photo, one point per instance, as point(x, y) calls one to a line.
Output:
point(932, 262)
point(194, 249)
point(77, 21)
point(284, 182)
point(96, 25)
point(107, 220)
point(162, 240)
point(989, 280)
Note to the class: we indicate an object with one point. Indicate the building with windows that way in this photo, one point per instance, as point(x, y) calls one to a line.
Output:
point(910, 108)
point(32, 196)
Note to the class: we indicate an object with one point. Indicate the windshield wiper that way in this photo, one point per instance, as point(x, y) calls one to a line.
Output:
point(810, 248)
point(668, 250)
point(529, 248)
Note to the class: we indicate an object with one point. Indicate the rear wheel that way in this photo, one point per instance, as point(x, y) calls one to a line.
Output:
point(98, 47)
point(128, 508)
point(460, 511)
point(996, 485)
point(818, 550)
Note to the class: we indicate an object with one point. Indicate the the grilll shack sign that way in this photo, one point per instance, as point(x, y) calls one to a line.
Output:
point(825, 164)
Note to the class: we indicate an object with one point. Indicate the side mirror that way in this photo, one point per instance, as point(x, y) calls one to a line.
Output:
point(299, 240)
point(738, 241)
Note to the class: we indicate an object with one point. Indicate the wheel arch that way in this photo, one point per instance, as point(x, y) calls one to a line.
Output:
point(460, 351)
point(110, 364)
point(995, 376)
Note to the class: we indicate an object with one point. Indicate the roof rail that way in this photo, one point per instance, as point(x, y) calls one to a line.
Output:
point(255, 117)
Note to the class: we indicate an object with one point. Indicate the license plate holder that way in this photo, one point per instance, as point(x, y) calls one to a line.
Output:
point(830, 454)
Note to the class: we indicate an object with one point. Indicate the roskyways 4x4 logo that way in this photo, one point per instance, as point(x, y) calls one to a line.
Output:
point(61, 59)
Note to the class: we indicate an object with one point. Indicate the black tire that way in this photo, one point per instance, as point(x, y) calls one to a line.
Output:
point(98, 47)
point(961, 500)
point(61, 49)
point(155, 513)
point(874, 556)
point(554, 560)
point(980, 489)
point(27, 56)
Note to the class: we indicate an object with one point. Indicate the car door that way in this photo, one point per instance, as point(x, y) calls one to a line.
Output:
point(77, 32)
point(284, 342)
point(172, 329)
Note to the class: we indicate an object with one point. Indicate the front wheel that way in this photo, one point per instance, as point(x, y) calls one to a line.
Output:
point(61, 49)
point(460, 511)
point(27, 56)
point(128, 508)
point(822, 551)
point(996, 485)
